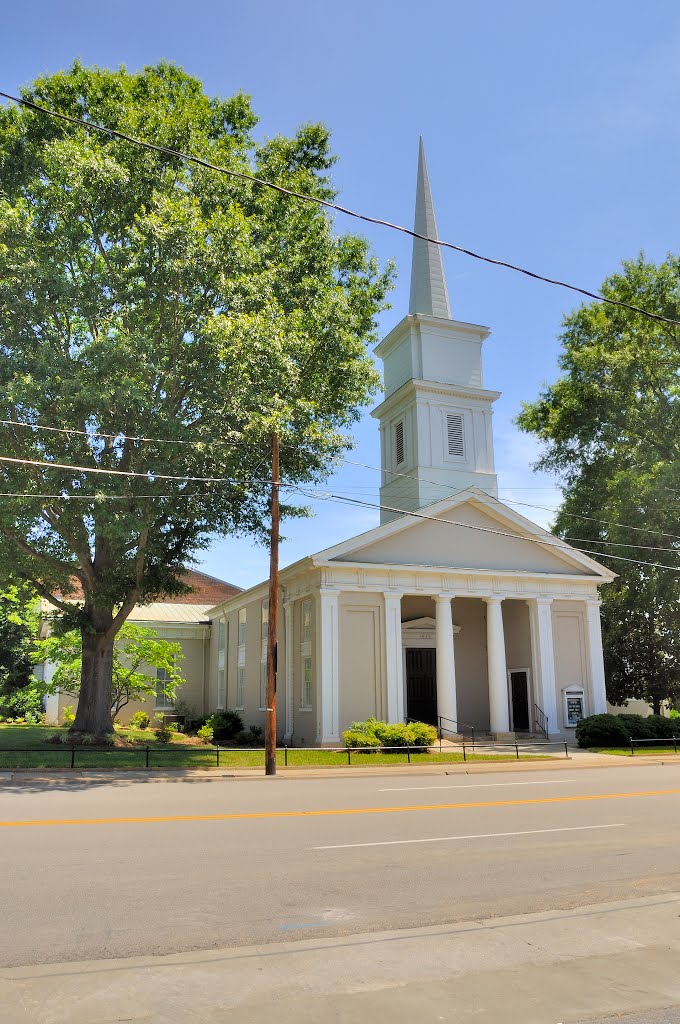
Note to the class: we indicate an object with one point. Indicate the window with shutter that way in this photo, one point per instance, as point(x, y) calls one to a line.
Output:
point(399, 454)
point(454, 434)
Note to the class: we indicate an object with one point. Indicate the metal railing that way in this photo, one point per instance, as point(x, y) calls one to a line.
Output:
point(541, 721)
point(71, 752)
point(666, 741)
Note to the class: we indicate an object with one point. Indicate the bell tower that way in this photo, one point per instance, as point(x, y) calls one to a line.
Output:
point(435, 421)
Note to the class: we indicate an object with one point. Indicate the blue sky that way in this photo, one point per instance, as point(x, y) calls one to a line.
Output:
point(552, 137)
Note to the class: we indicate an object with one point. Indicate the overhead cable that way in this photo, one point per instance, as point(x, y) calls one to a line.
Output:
point(93, 126)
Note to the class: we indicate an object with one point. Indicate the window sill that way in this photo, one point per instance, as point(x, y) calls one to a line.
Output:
point(306, 708)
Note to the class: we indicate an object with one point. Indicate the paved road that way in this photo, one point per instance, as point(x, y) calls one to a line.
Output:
point(117, 871)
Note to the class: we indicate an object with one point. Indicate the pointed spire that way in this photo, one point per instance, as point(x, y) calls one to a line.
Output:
point(429, 293)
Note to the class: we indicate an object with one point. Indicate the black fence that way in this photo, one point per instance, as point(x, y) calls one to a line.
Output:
point(669, 741)
point(147, 755)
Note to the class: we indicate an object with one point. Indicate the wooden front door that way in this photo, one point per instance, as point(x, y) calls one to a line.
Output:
point(421, 684)
point(519, 692)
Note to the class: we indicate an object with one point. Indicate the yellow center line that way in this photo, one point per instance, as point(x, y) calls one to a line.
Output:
point(329, 812)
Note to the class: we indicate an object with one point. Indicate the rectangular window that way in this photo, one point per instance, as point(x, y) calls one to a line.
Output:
point(454, 435)
point(240, 687)
point(264, 633)
point(163, 702)
point(307, 621)
point(307, 682)
point(241, 662)
point(399, 449)
point(222, 666)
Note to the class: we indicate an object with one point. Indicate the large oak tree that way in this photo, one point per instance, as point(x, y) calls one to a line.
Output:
point(610, 428)
point(145, 297)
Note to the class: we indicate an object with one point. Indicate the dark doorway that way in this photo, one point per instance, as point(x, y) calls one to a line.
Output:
point(421, 684)
point(519, 689)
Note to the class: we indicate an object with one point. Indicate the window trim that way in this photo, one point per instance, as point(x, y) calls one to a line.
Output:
point(399, 440)
point(450, 435)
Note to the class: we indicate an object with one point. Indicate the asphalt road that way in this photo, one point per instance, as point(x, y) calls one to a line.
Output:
point(543, 897)
point(133, 869)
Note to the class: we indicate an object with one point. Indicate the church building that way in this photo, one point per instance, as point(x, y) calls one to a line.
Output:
point(456, 610)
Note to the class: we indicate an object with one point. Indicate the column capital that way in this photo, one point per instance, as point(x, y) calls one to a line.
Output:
point(541, 600)
point(329, 592)
point(443, 597)
point(394, 594)
point(493, 599)
point(287, 605)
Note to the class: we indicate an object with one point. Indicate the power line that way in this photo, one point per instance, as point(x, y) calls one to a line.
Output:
point(439, 483)
point(93, 126)
point(485, 529)
point(149, 475)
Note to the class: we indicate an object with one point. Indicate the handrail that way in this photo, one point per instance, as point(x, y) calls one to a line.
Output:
point(541, 721)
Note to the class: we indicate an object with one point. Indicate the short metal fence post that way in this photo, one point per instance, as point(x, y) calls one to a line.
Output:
point(675, 743)
point(408, 754)
point(73, 757)
point(566, 750)
point(440, 735)
point(217, 751)
point(473, 737)
point(349, 756)
point(464, 753)
point(285, 754)
point(632, 748)
point(147, 756)
point(517, 750)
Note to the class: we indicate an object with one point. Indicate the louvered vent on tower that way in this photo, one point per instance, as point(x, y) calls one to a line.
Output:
point(454, 433)
point(399, 443)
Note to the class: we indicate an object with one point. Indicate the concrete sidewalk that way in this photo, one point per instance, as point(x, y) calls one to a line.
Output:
point(547, 968)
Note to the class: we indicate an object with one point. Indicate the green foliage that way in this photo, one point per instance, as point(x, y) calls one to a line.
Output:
point(140, 720)
point(68, 715)
point(18, 629)
point(610, 428)
point(205, 732)
point(225, 725)
point(144, 295)
point(357, 738)
point(602, 731)
point(163, 734)
point(673, 713)
point(382, 734)
point(138, 654)
point(637, 727)
point(662, 727)
point(248, 737)
point(25, 703)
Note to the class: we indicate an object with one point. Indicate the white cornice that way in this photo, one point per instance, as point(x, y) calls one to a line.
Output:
point(416, 387)
point(477, 332)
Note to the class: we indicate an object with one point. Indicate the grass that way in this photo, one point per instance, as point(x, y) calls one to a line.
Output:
point(641, 750)
point(183, 752)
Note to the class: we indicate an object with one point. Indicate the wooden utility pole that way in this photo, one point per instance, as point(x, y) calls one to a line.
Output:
point(273, 625)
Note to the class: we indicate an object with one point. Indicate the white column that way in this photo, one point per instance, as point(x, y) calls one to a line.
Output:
point(498, 676)
point(447, 705)
point(543, 657)
point(288, 609)
point(393, 658)
point(330, 665)
point(595, 659)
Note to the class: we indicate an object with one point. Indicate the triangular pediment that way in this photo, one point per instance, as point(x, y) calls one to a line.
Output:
point(472, 531)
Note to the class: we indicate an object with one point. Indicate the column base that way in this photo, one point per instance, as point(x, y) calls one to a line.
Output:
point(503, 737)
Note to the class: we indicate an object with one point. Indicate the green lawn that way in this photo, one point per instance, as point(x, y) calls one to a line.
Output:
point(183, 753)
point(643, 750)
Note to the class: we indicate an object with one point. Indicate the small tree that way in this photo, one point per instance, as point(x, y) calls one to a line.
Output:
point(18, 627)
point(137, 650)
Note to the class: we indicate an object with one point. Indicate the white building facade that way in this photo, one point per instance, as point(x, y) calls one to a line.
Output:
point(455, 610)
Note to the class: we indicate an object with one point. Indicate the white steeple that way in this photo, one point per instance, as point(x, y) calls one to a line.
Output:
point(429, 293)
point(435, 421)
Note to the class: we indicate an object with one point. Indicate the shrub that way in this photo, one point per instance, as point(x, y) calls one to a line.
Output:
point(602, 731)
point(249, 737)
point(673, 713)
point(140, 720)
point(663, 728)
point(68, 715)
point(163, 734)
point(637, 727)
point(356, 738)
point(205, 733)
point(421, 734)
point(225, 725)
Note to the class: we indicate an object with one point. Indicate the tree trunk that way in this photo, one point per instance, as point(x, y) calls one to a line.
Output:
point(656, 705)
point(93, 717)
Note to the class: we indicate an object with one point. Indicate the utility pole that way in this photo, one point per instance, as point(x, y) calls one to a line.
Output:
point(273, 623)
